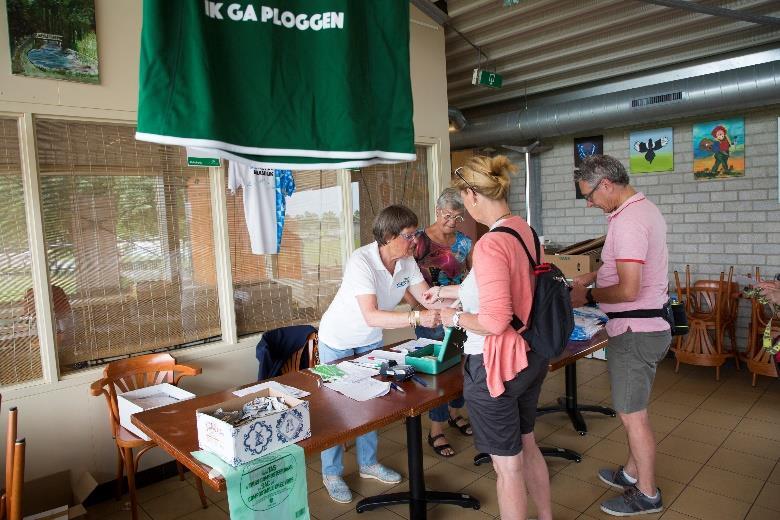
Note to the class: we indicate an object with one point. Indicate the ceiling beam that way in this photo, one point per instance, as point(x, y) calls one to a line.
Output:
point(436, 14)
point(718, 11)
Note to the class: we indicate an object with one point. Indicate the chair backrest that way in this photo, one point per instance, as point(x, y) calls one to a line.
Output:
point(293, 363)
point(131, 374)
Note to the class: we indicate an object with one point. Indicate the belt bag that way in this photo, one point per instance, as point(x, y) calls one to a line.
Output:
point(672, 311)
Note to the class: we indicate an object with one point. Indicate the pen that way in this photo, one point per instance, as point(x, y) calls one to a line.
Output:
point(419, 380)
point(396, 387)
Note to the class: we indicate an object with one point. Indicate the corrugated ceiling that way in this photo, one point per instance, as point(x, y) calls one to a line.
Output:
point(540, 46)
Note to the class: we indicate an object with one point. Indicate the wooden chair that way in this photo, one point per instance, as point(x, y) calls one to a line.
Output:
point(130, 374)
point(759, 361)
point(293, 363)
point(711, 306)
point(11, 499)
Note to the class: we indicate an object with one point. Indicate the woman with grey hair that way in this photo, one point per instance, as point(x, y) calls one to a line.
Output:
point(375, 281)
point(443, 254)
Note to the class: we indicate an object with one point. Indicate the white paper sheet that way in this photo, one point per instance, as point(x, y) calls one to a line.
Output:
point(289, 390)
point(152, 401)
point(361, 390)
point(413, 344)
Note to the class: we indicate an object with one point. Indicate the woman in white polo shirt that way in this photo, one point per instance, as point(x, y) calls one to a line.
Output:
point(375, 280)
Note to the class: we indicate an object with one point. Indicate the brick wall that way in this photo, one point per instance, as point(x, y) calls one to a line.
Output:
point(711, 224)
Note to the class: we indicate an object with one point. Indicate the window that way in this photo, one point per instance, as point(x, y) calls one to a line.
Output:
point(377, 187)
point(129, 243)
point(20, 356)
point(297, 285)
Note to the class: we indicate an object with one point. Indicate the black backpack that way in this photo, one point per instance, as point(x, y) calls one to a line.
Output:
point(551, 320)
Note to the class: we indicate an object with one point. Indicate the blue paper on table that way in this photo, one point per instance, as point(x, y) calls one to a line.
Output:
point(591, 312)
point(584, 328)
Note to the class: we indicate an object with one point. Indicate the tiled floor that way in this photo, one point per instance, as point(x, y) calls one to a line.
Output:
point(718, 451)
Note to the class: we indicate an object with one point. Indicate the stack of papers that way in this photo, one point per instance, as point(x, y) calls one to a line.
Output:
point(357, 382)
point(361, 390)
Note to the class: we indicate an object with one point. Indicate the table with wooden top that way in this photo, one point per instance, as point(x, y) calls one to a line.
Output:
point(335, 419)
point(574, 351)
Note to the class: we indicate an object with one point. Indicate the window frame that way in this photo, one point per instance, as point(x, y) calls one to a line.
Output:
point(52, 379)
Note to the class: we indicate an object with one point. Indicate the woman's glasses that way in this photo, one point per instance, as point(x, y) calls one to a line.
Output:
point(457, 172)
point(449, 216)
point(409, 236)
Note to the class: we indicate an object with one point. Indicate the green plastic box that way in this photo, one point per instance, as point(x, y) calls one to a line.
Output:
point(438, 357)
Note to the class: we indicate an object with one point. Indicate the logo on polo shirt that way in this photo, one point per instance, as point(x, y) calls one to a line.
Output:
point(402, 283)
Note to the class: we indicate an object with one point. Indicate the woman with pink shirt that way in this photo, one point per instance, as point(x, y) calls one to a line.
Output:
point(502, 376)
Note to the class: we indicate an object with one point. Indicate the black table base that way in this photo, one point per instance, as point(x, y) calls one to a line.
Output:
point(568, 403)
point(484, 458)
point(417, 497)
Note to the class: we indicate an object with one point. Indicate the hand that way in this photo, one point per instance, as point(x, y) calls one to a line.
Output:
point(584, 279)
point(446, 316)
point(430, 319)
point(431, 295)
point(578, 298)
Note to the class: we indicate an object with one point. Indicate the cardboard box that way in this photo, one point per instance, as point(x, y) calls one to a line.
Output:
point(134, 401)
point(237, 445)
point(575, 265)
point(56, 497)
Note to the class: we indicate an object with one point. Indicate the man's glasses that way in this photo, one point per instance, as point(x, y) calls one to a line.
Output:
point(457, 172)
point(409, 236)
point(449, 216)
point(589, 196)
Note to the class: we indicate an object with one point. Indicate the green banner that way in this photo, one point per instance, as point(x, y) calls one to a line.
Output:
point(272, 486)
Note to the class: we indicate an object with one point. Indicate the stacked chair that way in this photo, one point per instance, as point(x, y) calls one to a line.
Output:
point(711, 307)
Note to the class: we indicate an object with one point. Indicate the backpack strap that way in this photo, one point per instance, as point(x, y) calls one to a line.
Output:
point(516, 322)
point(534, 263)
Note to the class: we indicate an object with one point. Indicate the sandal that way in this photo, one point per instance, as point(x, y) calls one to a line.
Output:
point(439, 449)
point(464, 428)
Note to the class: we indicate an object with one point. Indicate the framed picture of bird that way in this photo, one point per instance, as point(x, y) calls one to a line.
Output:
point(651, 151)
point(585, 146)
point(719, 149)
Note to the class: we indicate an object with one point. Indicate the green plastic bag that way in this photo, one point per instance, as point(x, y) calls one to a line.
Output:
point(272, 486)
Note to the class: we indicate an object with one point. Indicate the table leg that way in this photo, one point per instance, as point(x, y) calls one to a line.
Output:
point(417, 497)
point(569, 404)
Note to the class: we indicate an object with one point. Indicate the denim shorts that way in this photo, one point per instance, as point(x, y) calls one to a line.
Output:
point(632, 358)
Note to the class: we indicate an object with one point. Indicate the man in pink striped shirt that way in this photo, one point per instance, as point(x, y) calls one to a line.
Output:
point(633, 277)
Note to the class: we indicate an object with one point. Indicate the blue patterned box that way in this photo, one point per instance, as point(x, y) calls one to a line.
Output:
point(237, 445)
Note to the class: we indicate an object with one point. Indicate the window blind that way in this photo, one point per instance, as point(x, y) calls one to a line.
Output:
point(379, 186)
point(20, 356)
point(297, 285)
point(128, 235)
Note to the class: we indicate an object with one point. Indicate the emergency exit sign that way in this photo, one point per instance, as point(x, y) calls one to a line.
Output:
point(486, 78)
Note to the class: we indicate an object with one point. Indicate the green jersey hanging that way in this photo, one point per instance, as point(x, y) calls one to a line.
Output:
point(295, 83)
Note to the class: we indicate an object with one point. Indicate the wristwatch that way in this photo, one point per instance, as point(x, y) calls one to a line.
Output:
point(589, 297)
point(456, 318)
